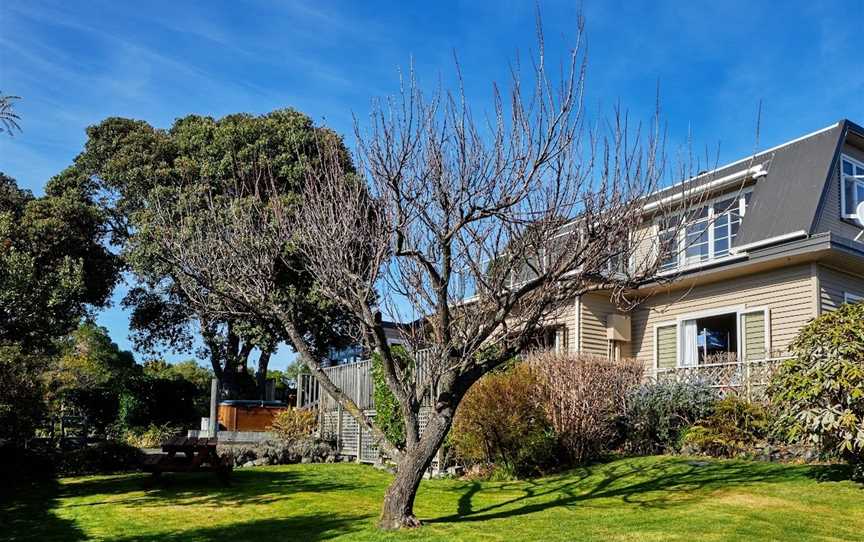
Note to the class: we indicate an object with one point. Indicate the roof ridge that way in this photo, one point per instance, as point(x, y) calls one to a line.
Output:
point(750, 157)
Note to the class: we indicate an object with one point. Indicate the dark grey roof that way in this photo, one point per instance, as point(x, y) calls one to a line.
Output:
point(790, 197)
point(787, 200)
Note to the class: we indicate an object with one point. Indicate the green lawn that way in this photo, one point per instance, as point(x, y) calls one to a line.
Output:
point(654, 498)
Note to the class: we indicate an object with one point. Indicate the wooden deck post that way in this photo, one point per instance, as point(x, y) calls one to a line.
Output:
point(359, 442)
point(213, 424)
point(338, 428)
point(357, 389)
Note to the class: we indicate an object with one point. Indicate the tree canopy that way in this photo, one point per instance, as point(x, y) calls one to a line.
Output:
point(54, 265)
point(136, 168)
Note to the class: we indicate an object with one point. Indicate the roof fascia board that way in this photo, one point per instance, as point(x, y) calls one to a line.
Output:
point(770, 241)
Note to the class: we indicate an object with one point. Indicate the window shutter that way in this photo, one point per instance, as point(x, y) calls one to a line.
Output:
point(755, 337)
point(667, 347)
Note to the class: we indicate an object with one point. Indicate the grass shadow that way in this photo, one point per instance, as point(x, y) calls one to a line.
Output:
point(32, 517)
point(252, 486)
point(309, 527)
point(647, 484)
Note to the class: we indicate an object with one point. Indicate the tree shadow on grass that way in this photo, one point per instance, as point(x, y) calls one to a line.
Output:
point(32, 517)
point(309, 527)
point(26, 510)
point(646, 484)
point(196, 489)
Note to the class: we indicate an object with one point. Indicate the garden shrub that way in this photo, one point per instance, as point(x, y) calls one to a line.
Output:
point(819, 392)
point(152, 436)
point(659, 412)
point(104, 457)
point(501, 421)
point(584, 399)
point(293, 424)
point(733, 428)
point(388, 414)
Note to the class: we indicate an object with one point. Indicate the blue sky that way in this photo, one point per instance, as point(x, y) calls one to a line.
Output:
point(75, 63)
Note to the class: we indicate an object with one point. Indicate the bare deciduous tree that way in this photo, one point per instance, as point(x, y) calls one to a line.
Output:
point(479, 228)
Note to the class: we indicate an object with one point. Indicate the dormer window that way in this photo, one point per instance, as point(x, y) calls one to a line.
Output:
point(851, 185)
point(703, 234)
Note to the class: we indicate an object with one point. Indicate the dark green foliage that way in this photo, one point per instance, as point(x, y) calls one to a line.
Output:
point(53, 262)
point(819, 392)
point(88, 375)
point(104, 457)
point(22, 407)
point(501, 421)
point(658, 413)
point(159, 401)
point(388, 413)
point(196, 159)
point(189, 370)
point(734, 426)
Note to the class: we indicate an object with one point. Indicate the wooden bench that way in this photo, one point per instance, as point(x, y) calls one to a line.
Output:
point(198, 454)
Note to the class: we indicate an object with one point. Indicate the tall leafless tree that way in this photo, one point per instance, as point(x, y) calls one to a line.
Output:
point(481, 228)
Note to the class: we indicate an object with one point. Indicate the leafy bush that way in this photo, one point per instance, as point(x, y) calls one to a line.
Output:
point(584, 399)
point(501, 420)
point(388, 416)
point(819, 392)
point(293, 424)
point(105, 457)
point(733, 427)
point(22, 407)
point(149, 400)
point(152, 436)
point(658, 413)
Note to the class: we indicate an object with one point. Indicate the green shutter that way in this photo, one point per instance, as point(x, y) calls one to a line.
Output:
point(667, 347)
point(754, 335)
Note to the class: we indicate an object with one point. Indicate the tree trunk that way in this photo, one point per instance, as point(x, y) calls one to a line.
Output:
point(261, 374)
point(398, 509)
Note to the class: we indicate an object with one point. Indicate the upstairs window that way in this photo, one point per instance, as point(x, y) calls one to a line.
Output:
point(851, 185)
point(703, 234)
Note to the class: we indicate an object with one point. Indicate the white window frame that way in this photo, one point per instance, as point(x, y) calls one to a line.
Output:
point(850, 178)
point(737, 310)
point(682, 263)
point(849, 297)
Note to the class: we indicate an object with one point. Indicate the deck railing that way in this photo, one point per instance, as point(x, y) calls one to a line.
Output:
point(748, 378)
point(354, 379)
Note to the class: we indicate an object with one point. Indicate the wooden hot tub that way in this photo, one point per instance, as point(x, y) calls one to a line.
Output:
point(238, 415)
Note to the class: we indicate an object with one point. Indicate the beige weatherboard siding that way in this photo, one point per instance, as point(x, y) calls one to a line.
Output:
point(784, 296)
point(834, 284)
point(831, 219)
point(595, 309)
